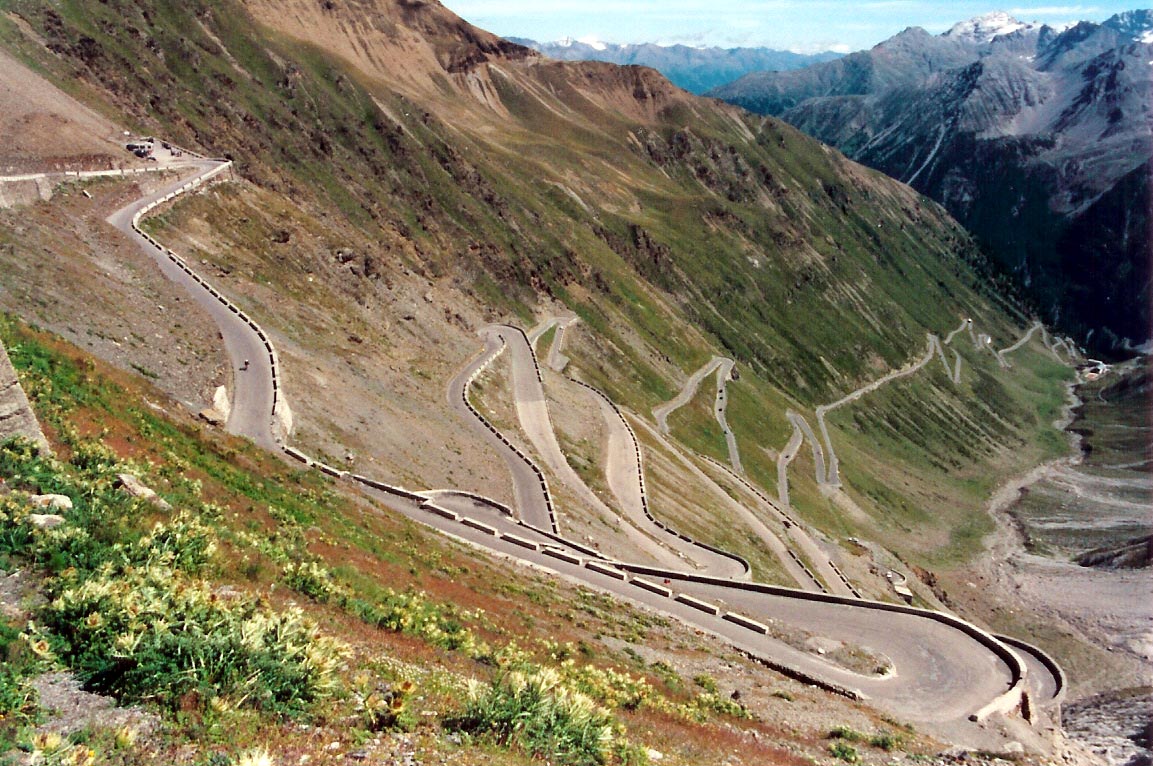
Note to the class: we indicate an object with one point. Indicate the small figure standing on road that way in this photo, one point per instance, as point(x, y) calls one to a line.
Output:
point(245, 365)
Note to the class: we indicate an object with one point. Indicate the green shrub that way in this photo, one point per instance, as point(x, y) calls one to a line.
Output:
point(153, 633)
point(310, 579)
point(18, 699)
point(630, 754)
point(886, 741)
point(185, 543)
point(126, 611)
point(19, 702)
point(716, 703)
point(538, 713)
point(847, 734)
point(845, 752)
point(15, 532)
point(381, 706)
point(608, 686)
point(94, 526)
point(668, 674)
point(414, 614)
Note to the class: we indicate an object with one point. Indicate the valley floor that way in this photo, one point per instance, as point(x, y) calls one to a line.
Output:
point(1102, 617)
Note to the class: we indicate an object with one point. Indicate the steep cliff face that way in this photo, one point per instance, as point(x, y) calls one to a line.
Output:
point(1018, 130)
point(415, 44)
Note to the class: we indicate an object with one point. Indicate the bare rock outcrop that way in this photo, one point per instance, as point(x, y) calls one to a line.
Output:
point(54, 502)
point(136, 488)
point(46, 520)
point(1133, 554)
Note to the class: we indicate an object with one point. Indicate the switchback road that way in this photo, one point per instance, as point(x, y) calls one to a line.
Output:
point(944, 671)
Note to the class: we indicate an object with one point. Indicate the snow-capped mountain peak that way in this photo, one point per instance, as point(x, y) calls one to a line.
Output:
point(593, 43)
point(590, 42)
point(984, 29)
point(1135, 24)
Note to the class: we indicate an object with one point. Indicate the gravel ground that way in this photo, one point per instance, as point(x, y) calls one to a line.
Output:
point(1116, 725)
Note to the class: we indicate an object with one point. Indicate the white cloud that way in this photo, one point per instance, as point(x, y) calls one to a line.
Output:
point(809, 49)
point(1055, 10)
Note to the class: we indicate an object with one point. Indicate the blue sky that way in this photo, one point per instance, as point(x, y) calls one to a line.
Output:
point(801, 25)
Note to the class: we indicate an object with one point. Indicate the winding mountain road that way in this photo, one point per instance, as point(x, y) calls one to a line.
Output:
point(1020, 342)
point(253, 389)
point(833, 476)
point(802, 431)
point(720, 405)
point(830, 476)
point(662, 411)
point(532, 498)
point(625, 476)
point(945, 671)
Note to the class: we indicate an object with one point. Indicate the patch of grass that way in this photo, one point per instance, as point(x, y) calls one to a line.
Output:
point(19, 702)
point(668, 675)
point(846, 733)
point(706, 682)
point(145, 372)
point(126, 611)
point(534, 712)
point(151, 633)
point(886, 741)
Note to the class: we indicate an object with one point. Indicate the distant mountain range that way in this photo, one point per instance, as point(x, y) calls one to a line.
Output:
point(1037, 139)
point(694, 69)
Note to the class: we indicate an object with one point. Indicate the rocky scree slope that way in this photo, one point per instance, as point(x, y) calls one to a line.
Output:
point(1038, 140)
point(406, 176)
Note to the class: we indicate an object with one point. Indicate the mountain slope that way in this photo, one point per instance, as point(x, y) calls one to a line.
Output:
point(401, 179)
point(694, 69)
point(427, 176)
point(1018, 130)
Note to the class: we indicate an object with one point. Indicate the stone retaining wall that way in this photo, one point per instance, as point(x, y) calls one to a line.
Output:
point(16, 416)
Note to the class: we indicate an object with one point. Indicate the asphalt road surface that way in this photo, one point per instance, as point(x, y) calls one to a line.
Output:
point(252, 393)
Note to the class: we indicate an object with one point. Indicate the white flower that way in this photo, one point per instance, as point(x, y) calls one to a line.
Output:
point(257, 757)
